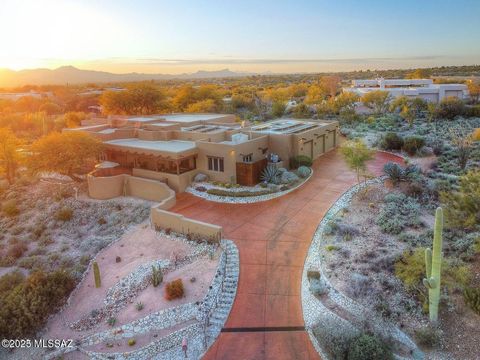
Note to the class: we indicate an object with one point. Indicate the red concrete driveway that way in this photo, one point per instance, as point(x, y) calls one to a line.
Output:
point(273, 239)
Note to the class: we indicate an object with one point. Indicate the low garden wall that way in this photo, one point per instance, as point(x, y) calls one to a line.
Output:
point(109, 187)
point(178, 223)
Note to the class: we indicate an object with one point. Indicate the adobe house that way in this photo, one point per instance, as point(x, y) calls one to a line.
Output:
point(174, 148)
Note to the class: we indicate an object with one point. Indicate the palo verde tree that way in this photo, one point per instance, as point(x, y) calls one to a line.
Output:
point(67, 153)
point(378, 101)
point(356, 154)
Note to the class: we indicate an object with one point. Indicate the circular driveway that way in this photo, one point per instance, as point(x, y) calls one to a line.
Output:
point(273, 238)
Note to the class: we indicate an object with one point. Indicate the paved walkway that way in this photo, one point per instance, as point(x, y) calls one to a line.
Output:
point(273, 238)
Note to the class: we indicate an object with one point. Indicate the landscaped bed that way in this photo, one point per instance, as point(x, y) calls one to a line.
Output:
point(365, 268)
point(268, 189)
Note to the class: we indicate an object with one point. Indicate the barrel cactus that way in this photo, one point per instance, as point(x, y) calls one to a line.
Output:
point(157, 276)
point(303, 171)
point(433, 262)
point(288, 177)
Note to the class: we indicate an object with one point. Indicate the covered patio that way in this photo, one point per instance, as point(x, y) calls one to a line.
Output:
point(159, 163)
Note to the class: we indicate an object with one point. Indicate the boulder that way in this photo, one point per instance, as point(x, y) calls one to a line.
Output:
point(200, 177)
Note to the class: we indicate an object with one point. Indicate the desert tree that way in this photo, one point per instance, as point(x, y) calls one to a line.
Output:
point(356, 154)
point(378, 101)
point(69, 153)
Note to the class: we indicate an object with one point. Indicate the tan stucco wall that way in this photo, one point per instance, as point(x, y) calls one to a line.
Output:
point(109, 187)
point(180, 224)
point(231, 154)
point(177, 182)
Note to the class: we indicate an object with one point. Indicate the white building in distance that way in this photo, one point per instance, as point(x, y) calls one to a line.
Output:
point(422, 88)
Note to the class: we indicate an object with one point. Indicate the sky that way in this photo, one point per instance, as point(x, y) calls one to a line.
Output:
point(156, 36)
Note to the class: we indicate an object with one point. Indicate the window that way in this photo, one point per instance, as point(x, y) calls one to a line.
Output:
point(247, 158)
point(215, 163)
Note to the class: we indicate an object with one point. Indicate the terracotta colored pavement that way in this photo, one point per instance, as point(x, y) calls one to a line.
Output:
point(273, 238)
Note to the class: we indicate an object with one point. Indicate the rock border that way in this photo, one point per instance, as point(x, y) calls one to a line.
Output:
point(209, 316)
point(314, 312)
point(248, 199)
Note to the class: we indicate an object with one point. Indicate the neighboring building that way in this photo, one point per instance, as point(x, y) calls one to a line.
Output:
point(174, 148)
point(422, 88)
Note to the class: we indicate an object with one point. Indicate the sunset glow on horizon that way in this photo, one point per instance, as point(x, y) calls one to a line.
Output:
point(165, 37)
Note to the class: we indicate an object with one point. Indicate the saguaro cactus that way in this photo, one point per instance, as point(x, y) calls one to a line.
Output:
point(96, 275)
point(433, 262)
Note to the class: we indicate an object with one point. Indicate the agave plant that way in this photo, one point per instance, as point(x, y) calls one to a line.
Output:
point(270, 175)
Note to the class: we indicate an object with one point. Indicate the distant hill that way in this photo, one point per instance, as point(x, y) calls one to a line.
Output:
point(72, 75)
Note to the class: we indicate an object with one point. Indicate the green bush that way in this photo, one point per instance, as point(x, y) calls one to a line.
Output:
point(450, 107)
point(301, 160)
point(10, 208)
point(412, 144)
point(410, 269)
point(64, 214)
point(368, 347)
point(472, 298)
point(26, 307)
point(392, 141)
point(397, 213)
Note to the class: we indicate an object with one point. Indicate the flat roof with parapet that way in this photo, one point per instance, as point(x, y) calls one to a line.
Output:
point(171, 146)
point(210, 128)
point(187, 118)
point(286, 126)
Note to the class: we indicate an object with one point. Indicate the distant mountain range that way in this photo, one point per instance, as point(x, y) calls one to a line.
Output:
point(71, 75)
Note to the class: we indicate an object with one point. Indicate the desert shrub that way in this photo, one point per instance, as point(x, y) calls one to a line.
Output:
point(396, 173)
point(111, 321)
point(397, 213)
point(428, 336)
point(331, 247)
point(101, 221)
point(16, 250)
point(270, 175)
point(335, 342)
point(330, 228)
point(139, 306)
point(10, 281)
point(462, 207)
point(347, 232)
point(64, 214)
point(472, 298)
point(288, 177)
point(174, 289)
point(359, 285)
point(391, 141)
point(393, 171)
point(412, 144)
point(303, 172)
point(131, 342)
point(318, 287)
point(221, 192)
point(7, 261)
point(410, 269)
point(368, 347)
point(450, 107)
point(301, 160)
point(10, 208)
point(33, 262)
point(26, 307)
